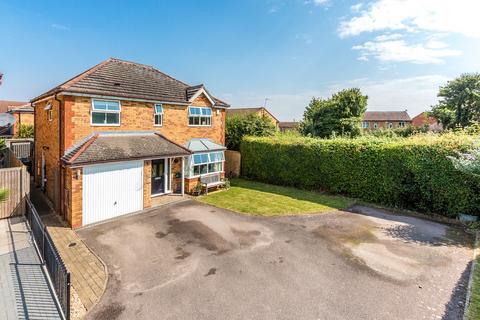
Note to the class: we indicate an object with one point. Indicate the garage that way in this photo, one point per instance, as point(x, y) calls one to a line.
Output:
point(111, 190)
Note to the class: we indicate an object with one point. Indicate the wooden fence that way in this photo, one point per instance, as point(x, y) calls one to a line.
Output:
point(232, 163)
point(14, 178)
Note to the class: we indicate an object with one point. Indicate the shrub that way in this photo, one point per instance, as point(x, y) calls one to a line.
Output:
point(238, 126)
point(25, 131)
point(412, 173)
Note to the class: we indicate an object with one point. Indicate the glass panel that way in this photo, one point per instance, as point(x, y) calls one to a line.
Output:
point(196, 170)
point(98, 117)
point(196, 121)
point(158, 108)
point(197, 159)
point(205, 158)
point(99, 105)
point(209, 121)
point(194, 111)
point(113, 105)
point(216, 156)
point(190, 120)
point(158, 119)
point(113, 118)
point(203, 121)
point(203, 169)
point(206, 111)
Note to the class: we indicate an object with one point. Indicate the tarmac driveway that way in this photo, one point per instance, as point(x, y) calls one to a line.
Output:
point(193, 261)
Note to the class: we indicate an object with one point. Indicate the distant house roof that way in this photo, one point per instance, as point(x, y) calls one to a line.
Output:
point(118, 146)
point(125, 79)
point(27, 108)
point(423, 119)
point(6, 105)
point(247, 111)
point(386, 116)
point(288, 124)
point(203, 145)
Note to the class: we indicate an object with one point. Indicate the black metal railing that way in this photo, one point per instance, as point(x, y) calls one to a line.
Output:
point(59, 275)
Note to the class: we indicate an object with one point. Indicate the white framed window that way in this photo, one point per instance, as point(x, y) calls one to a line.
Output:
point(375, 125)
point(401, 124)
point(365, 124)
point(199, 116)
point(390, 125)
point(49, 110)
point(105, 113)
point(203, 163)
point(158, 115)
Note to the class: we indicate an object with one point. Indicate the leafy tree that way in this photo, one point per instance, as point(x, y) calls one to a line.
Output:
point(459, 104)
point(25, 131)
point(341, 114)
point(250, 125)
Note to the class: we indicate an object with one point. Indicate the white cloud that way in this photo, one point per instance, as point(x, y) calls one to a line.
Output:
point(356, 7)
point(317, 2)
point(400, 51)
point(416, 94)
point(391, 36)
point(460, 16)
point(59, 26)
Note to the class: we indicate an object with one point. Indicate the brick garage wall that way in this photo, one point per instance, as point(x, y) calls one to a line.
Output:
point(139, 116)
point(74, 185)
point(147, 184)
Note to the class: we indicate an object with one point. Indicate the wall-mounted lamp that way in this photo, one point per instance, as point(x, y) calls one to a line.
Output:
point(77, 174)
point(45, 148)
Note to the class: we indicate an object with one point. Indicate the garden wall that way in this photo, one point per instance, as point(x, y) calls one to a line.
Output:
point(412, 173)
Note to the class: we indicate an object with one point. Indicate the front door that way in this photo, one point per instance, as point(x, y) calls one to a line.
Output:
point(158, 176)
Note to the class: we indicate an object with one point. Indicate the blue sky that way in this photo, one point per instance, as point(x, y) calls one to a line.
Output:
point(398, 52)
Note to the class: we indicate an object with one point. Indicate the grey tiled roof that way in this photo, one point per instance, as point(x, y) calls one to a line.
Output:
point(386, 116)
point(124, 79)
point(115, 146)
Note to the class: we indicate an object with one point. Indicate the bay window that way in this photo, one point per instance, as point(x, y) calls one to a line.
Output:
point(105, 113)
point(199, 116)
point(203, 163)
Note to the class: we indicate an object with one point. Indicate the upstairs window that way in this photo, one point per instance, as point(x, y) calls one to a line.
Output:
point(105, 113)
point(158, 115)
point(49, 110)
point(199, 116)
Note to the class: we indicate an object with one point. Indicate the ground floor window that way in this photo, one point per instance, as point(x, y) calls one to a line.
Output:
point(203, 163)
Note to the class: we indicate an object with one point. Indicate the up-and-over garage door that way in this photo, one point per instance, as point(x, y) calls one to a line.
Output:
point(111, 190)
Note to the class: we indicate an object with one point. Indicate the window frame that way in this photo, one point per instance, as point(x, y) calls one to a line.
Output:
point(365, 124)
point(207, 164)
point(401, 124)
point(200, 116)
point(155, 114)
point(375, 125)
point(119, 112)
point(390, 125)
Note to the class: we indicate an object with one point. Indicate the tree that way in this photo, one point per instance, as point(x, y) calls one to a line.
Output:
point(25, 131)
point(459, 104)
point(239, 126)
point(468, 162)
point(341, 114)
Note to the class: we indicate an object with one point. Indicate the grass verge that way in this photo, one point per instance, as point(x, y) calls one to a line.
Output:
point(256, 198)
point(474, 305)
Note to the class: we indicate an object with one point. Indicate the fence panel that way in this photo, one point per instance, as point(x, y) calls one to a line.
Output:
point(57, 271)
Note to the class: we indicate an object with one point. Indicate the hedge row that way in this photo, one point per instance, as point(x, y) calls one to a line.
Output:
point(412, 173)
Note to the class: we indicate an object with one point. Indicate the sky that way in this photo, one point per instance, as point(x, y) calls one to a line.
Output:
point(398, 52)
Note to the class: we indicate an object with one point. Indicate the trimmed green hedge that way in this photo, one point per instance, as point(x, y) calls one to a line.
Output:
point(412, 173)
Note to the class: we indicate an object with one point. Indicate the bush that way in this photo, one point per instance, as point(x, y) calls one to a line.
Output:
point(412, 173)
point(238, 126)
point(25, 131)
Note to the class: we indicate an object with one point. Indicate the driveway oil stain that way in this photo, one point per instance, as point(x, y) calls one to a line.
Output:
point(246, 238)
point(182, 254)
point(211, 272)
point(111, 311)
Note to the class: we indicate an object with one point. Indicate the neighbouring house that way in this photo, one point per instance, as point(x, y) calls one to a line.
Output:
point(23, 115)
point(373, 120)
point(121, 135)
point(6, 106)
point(424, 119)
point(260, 111)
point(284, 126)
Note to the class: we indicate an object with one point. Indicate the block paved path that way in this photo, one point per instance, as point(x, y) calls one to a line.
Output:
point(87, 272)
point(24, 289)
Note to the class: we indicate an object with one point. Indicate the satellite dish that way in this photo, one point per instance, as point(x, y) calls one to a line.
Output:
point(6, 119)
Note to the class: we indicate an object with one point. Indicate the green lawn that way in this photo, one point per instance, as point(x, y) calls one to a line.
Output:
point(474, 307)
point(262, 199)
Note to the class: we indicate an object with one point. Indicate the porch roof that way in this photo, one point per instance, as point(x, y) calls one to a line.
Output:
point(203, 145)
point(121, 146)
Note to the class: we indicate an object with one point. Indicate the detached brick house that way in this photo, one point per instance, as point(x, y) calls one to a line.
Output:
point(373, 120)
point(121, 133)
point(260, 111)
point(21, 111)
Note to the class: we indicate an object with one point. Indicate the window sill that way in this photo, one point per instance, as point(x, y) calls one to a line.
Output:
point(200, 125)
point(104, 125)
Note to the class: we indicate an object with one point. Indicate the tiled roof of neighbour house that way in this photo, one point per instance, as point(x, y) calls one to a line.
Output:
point(123, 145)
point(6, 105)
point(247, 111)
point(288, 124)
point(27, 108)
point(386, 116)
point(125, 79)
point(203, 145)
point(423, 118)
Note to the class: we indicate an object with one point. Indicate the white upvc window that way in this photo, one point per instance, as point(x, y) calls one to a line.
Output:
point(390, 125)
point(375, 125)
point(49, 110)
point(401, 124)
point(158, 115)
point(365, 124)
point(105, 113)
point(199, 116)
point(204, 163)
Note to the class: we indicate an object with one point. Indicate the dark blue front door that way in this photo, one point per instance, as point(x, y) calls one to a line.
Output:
point(158, 176)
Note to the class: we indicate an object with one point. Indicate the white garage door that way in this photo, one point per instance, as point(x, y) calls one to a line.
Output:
point(111, 190)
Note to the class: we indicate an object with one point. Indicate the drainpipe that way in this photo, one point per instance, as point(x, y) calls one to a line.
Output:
point(60, 175)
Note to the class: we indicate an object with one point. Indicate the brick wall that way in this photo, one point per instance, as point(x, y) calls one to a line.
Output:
point(74, 187)
point(22, 118)
point(147, 184)
point(384, 124)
